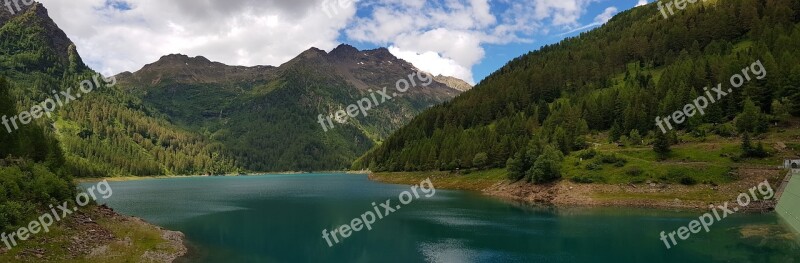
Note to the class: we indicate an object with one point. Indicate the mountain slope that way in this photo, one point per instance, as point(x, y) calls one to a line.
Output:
point(269, 117)
point(105, 132)
point(614, 79)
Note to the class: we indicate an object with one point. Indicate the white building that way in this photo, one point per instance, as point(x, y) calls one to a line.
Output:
point(791, 164)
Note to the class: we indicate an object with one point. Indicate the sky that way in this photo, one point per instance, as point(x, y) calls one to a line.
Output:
point(467, 39)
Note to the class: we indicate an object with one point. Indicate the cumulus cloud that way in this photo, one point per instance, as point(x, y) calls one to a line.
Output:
point(434, 63)
point(441, 36)
point(448, 36)
point(641, 3)
point(123, 36)
point(599, 20)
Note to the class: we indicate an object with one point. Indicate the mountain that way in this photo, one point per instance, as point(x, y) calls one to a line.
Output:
point(105, 132)
point(182, 115)
point(452, 82)
point(613, 81)
point(271, 118)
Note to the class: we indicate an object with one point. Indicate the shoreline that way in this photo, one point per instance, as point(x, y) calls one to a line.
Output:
point(566, 194)
point(148, 177)
point(99, 234)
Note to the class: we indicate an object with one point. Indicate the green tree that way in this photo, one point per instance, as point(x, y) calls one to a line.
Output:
point(547, 167)
point(794, 98)
point(480, 160)
point(780, 111)
point(748, 151)
point(8, 140)
point(516, 166)
point(751, 119)
point(635, 137)
point(747, 145)
point(662, 146)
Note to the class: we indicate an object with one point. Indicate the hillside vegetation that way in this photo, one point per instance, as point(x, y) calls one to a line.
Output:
point(553, 112)
point(107, 132)
point(267, 118)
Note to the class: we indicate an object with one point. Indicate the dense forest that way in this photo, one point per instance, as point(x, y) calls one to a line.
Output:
point(614, 80)
point(106, 132)
point(267, 117)
point(32, 172)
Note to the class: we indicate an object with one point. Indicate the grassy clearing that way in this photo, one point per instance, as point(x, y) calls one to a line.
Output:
point(689, 164)
point(709, 160)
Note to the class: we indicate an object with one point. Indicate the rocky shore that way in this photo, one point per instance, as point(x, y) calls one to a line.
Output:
point(98, 234)
point(569, 194)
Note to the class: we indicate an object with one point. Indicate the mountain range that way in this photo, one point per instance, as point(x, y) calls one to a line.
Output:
point(189, 115)
point(266, 118)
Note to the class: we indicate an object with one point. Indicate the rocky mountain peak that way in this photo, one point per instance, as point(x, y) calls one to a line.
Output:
point(344, 50)
point(53, 40)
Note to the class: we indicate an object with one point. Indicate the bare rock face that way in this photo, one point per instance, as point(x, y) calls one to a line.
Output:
point(454, 83)
point(52, 41)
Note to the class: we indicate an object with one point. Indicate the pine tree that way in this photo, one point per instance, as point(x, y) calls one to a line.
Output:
point(8, 139)
point(747, 145)
point(750, 120)
point(662, 146)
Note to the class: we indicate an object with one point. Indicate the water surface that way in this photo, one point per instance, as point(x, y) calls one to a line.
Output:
point(280, 218)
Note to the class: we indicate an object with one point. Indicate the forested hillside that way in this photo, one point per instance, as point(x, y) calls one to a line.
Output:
point(105, 132)
point(613, 81)
point(268, 117)
point(32, 172)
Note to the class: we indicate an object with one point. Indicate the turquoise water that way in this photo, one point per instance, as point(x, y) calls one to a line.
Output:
point(280, 218)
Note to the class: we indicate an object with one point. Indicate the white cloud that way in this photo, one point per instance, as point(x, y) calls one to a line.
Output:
point(238, 32)
point(449, 36)
point(440, 36)
point(607, 14)
point(599, 20)
point(434, 63)
point(641, 3)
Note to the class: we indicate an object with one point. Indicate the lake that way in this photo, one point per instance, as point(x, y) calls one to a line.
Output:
point(280, 218)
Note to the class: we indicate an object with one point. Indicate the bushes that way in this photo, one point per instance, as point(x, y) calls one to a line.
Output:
point(612, 159)
point(587, 154)
point(634, 171)
point(686, 180)
point(14, 213)
point(547, 167)
point(748, 151)
point(593, 167)
point(725, 130)
point(25, 188)
point(588, 179)
point(582, 180)
point(605, 159)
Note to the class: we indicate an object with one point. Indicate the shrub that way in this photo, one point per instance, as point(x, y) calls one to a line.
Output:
point(725, 130)
point(581, 180)
point(686, 180)
point(634, 171)
point(587, 154)
point(612, 159)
